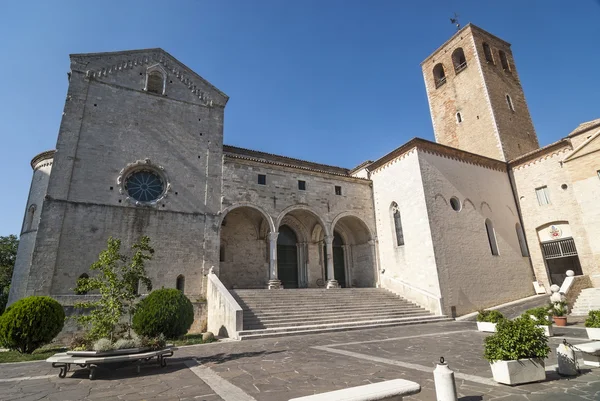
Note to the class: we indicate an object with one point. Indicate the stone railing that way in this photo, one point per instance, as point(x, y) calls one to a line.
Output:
point(426, 299)
point(572, 286)
point(225, 316)
point(387, 390)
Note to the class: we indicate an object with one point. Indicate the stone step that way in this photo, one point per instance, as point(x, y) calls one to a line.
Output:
point(252, 316)
point(327, 311)
point(289, 310)
point(317, 329)
point(317, 298)
point(319, 305)
point(346, 319)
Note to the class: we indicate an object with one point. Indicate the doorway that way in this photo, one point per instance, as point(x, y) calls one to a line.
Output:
point(287, 257)
point(560, 256)
point(339, 260)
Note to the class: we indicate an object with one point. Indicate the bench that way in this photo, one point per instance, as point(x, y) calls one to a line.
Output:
point(64, 361)
point(591, 353)
point(387, 390)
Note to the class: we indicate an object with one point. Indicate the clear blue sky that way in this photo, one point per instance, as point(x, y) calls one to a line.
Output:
point(332, 81)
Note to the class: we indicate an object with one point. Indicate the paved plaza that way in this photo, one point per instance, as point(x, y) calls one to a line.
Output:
point(288, 367)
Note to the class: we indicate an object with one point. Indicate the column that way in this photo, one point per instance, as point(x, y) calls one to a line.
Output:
point(274, 282)
point(331, 281)
point(373, 246)
point(302, 265)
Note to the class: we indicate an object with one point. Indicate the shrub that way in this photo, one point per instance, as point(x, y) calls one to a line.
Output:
point(103, 344)
point(491, 316)
point(125, 343)
point(30, 323)
point(165, 311)
point(516, 339)
point(81, 343)
point(540, 314)
point(593, 319)
point(154, 343)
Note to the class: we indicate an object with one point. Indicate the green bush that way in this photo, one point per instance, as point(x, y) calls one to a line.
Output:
point(593, 319)
point(30, 323)
point(516, 339)
point(540, 314)
point(165, 311)
point(491, 316)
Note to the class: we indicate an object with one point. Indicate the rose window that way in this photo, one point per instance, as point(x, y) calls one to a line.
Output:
point(144, 186)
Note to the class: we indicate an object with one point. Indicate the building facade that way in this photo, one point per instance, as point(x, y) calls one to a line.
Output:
point(140, 152)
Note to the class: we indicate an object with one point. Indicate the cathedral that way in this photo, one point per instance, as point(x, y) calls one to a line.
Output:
point(481, 216)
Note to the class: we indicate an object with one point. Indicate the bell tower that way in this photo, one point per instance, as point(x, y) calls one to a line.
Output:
point(475, 97)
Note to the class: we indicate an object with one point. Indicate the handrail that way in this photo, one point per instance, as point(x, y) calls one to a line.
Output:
point(225, 315)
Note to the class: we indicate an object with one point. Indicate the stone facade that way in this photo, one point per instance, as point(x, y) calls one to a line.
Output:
point(438, 223)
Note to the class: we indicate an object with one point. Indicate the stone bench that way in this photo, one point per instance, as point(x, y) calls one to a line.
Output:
point(591, 352)
point(64, 361)
point(387, 390)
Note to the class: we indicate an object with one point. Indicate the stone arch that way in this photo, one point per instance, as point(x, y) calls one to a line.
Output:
point(156, 79)
point(441, 196)
point(266, 215)
point(292, 208)
point(510, 210)
point(484, 203)
point(296, 225)
point(467, 200)
point(360, 221)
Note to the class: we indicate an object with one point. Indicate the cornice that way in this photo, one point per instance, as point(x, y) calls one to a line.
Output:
point(534, 156)
point(47, 155)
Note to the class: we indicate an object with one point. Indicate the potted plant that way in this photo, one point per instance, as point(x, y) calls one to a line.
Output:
point(559, 312)
point(487, 319)
point(592, 325)
point(540, 316)
point(516, 352)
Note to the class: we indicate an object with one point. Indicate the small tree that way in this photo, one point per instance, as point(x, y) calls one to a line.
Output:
point(117, 282)
point(8, 256)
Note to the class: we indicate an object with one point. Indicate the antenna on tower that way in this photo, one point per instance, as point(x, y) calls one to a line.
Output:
point(454, 21)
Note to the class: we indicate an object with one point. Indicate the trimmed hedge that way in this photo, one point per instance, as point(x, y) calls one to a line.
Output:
point(30, 323)
point(516, 339)
point(492, 316)
point(166, 311)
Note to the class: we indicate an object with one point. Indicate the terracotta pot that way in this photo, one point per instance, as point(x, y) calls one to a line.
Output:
point(560, 320)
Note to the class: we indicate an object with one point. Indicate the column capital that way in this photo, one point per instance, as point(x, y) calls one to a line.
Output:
point(328, 239)
point(273, 235)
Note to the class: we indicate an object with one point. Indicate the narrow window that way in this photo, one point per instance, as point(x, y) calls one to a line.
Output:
point(439, 76)
point(458, 118)
point(488, 53)
point(302, 185)
point(29, 218)
point(543, 196)
point(521, 238)
point(503, 60)
point(222, 253)
point(84, 275)
point(338, 190)
point(598, 172)
point(510, 103)
point(491, 234)
point(181, 282)
point(397, 224)
point(459, 60)
point(262, 179)
point(155, 83)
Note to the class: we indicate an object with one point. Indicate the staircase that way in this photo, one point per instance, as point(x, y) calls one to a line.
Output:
point(588, 299)
point(274, 313)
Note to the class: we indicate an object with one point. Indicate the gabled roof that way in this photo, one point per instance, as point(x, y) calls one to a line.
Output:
point(583, 145)
point(585, 127)
point(103, 64)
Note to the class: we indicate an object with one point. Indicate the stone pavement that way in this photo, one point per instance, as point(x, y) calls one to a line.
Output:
point(288, 367)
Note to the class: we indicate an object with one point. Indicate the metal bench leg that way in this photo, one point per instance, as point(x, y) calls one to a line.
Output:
point(92, 372)
point(64, 368)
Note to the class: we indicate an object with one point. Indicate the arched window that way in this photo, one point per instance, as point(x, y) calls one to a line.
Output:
point(458, 117)
point(491, 234)
point(181, 283)
point(521, 237)
point(84, 275)
point(503, 60)
point(439, 76)
point(29, 218)
point(510, 103)
point(487, 52)
point(459, 60)
point(397, 224)
point(155, 83)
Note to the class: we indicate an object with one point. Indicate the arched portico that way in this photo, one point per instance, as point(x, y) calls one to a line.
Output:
point(244, 234)
point(354, 260)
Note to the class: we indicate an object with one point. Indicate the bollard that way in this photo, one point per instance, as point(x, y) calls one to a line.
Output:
point(567, 365)
point(445, 388)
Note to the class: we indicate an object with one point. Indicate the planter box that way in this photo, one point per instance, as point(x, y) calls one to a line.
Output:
point(547, 330)
point(560, 321)
point(593, 333)
point(486, 326)
point(519, 371)
point(113, 352)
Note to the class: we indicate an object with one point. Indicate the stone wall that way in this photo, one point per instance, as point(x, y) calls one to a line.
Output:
point(471, 277)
